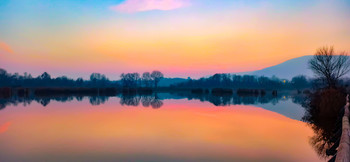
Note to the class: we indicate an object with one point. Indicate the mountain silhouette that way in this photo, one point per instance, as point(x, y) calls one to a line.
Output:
point(286, 70)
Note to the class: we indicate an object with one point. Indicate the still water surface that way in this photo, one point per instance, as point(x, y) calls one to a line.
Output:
point(178, 130)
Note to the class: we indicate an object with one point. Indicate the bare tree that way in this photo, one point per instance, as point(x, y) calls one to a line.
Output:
point(156, 76)
point(98, 79)
point(147, 79)
point(130, 79)
point(329, 66)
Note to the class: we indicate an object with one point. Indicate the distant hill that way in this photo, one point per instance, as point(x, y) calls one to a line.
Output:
point(287, 69)
point(284, 70)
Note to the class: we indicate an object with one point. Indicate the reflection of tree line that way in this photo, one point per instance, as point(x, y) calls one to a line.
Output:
point(227, 100)
point(44, 101)
point(149, 100)
point(153, 100)
point(125, 99)
point(145, 100)
point(324, 111)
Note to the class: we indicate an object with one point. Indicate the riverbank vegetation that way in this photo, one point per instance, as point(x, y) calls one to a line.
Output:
point(151, 80)
point(325, 105)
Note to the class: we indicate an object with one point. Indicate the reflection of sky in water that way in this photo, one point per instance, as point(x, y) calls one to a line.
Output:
point(179, 130)
point(286, 108)
point(282, 105)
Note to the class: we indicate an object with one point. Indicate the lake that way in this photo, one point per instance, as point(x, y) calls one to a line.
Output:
point(164, 127)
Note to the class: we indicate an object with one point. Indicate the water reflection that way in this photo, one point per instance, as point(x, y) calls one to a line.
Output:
point(154, 100)
point(146, 100)
point(97, 100)
point(181, 130)
point(227, 100)
point(187, 127)
point(324, 111)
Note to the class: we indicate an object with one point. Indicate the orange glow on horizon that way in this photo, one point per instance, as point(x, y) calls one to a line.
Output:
point(180, 43)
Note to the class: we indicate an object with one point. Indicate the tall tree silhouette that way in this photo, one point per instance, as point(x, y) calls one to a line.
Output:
point(98, 79)
point(146, 79)
point(329, 66)
point(45, 76)
point(157, 76)
point(130, 79)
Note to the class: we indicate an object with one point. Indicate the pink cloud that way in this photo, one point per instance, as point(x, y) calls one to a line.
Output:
point(5, 47)
point(131, 6)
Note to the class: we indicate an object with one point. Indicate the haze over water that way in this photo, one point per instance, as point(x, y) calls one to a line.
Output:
point(180, 130)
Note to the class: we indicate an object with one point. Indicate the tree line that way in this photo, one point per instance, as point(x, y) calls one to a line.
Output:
point(96, 80)
point(328, 66)
point(152, 79)
point(146, 80)
point(247, 81)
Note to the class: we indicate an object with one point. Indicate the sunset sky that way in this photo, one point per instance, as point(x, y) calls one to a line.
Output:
point(178, 37)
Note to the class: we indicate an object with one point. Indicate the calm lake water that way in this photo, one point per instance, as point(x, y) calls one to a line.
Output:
point(161, 128)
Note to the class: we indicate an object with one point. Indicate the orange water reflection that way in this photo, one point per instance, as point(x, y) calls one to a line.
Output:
point(4, 127)
point(178, 131)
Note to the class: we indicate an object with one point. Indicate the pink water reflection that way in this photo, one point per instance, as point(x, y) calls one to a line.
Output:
point(180, 130)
